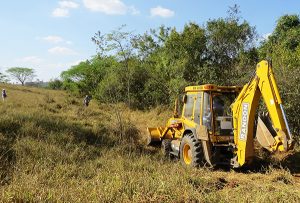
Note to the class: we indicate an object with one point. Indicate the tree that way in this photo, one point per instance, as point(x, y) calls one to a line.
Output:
point(55, 84)
point(84, 78)
point(185, 51)
point(21, 74)
point(119, 43)
point(3, 78)
point(227, 38)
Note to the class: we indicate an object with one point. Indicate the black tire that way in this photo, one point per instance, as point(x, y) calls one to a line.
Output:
point(166, 148)
point(191, 153)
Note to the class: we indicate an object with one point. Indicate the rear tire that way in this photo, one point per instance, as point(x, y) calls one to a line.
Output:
point(191, 153)
point(166, 148)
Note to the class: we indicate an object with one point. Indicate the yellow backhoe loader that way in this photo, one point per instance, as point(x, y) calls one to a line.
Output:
point(218, 124)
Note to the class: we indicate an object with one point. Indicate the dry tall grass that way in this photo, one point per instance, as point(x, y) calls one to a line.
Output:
point(53, 149)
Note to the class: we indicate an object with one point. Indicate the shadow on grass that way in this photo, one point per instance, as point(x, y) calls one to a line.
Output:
point(8, 134)
point(7, 161)
point(80, 134)
point(262, 165)
point(292, 162)
point(52, 130)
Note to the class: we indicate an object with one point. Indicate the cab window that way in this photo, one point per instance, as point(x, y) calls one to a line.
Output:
point(207, 115)
point(222, 113)
point(189, 105)
point(197, 108)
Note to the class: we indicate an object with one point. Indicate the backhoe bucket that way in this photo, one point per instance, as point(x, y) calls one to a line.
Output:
point(154, 136)
point(264, 136)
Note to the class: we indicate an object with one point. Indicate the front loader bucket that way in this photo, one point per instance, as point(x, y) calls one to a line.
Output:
point(154, 136)
point(264, 136)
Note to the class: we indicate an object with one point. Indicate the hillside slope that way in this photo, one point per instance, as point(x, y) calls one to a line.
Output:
point(53, 149)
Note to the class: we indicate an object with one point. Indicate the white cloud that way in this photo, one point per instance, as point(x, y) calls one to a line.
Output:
point(60, 12)
point(162, 12)
point(30, 60)
point(68, 4)
point(110, 7)
point(62, 51)
point(64, 8)
point(133, 11)
point(53, 39)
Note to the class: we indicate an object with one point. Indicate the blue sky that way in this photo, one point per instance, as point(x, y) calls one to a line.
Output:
point(52, 35)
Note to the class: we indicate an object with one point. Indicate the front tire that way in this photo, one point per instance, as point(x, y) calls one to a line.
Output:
point(191, 153)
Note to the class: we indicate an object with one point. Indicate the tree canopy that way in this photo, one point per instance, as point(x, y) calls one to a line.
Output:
point(21, 74)
point(150, 69)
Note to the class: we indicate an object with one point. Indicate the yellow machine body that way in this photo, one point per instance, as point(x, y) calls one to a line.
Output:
point(216, 124)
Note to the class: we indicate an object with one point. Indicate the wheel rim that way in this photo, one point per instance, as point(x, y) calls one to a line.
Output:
point(187, 154)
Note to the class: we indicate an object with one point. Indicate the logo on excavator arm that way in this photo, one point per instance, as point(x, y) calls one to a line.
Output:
point(244, 121)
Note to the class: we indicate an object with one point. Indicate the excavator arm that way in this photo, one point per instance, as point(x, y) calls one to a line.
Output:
point(263, 85)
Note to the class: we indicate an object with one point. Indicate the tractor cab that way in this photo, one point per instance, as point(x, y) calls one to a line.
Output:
point(209, 105)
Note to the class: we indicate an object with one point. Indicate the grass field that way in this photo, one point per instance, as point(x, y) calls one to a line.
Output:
point(52, 149)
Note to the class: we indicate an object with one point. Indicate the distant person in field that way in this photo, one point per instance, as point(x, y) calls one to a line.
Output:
point(86, 100)
point(4, 95)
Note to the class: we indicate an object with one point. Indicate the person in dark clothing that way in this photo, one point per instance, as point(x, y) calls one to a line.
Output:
point(86, 100)
point(4, 95)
